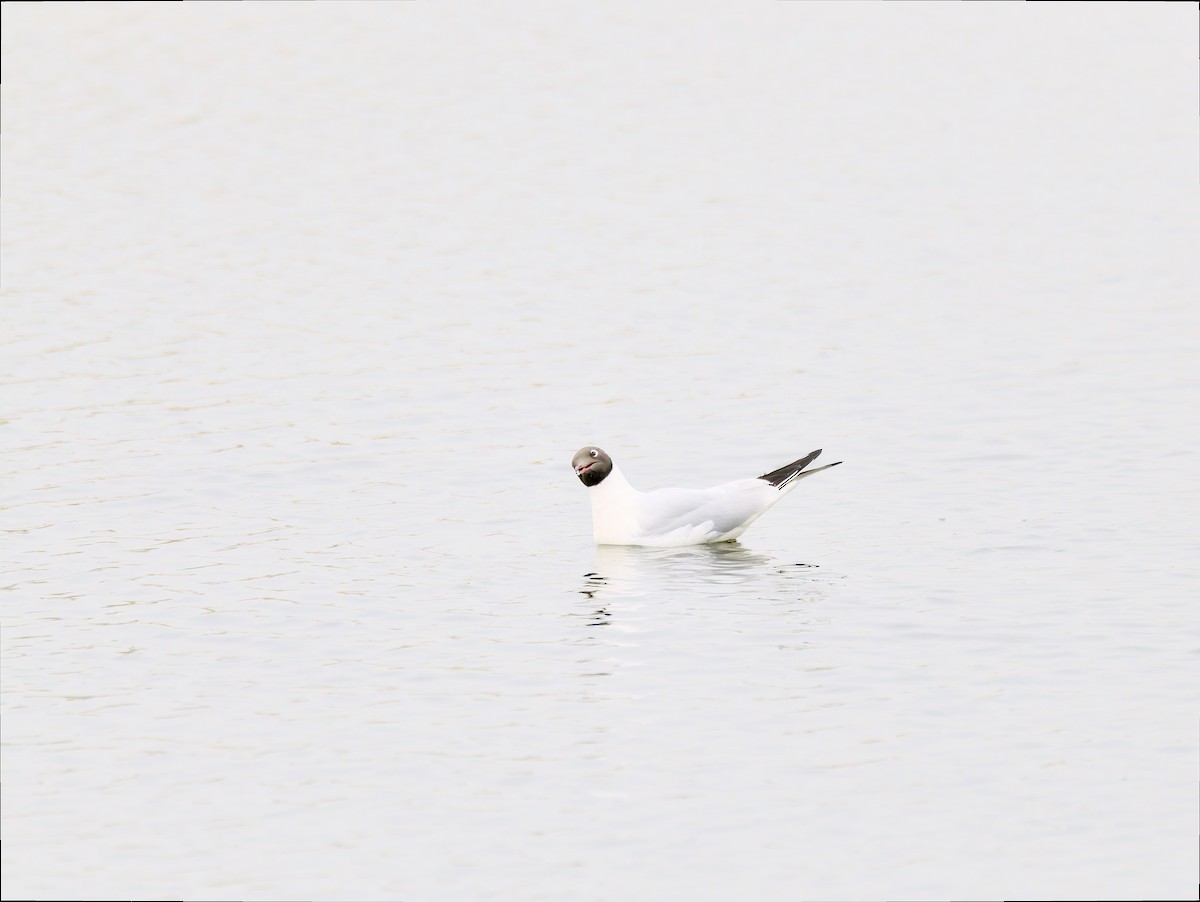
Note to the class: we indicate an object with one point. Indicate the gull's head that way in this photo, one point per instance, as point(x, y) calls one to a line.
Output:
point(591, 465)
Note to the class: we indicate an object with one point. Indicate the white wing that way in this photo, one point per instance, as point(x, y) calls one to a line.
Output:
point(684, 516)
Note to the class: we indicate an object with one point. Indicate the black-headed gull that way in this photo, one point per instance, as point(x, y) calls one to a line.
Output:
point(621, 515)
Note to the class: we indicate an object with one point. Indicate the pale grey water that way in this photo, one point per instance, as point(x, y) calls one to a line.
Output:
point(307, 307)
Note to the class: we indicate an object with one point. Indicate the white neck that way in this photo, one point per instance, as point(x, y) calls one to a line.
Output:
point(614, 509)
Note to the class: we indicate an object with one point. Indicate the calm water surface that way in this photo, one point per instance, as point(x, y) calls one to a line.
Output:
point(307, 307)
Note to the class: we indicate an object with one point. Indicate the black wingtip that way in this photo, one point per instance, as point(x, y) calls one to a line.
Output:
point(779, 477)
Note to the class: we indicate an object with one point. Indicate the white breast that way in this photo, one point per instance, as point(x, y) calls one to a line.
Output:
point(614, 510)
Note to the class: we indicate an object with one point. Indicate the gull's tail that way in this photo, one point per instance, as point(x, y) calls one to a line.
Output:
point(795, 470)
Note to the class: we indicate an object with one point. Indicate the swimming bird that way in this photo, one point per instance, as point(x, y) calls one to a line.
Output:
point(621, 515)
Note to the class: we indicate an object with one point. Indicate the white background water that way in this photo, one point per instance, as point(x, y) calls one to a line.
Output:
point(307, 307)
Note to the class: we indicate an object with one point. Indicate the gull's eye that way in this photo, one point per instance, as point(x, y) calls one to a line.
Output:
point(594, 453)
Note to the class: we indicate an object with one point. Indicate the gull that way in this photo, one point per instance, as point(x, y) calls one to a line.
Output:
point(621, 515)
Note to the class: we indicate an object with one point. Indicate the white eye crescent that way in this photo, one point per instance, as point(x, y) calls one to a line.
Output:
point(594, 453)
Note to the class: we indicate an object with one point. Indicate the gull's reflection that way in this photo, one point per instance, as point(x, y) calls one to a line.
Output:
point(647, 599)
point(633, 572)
point(593, 583)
